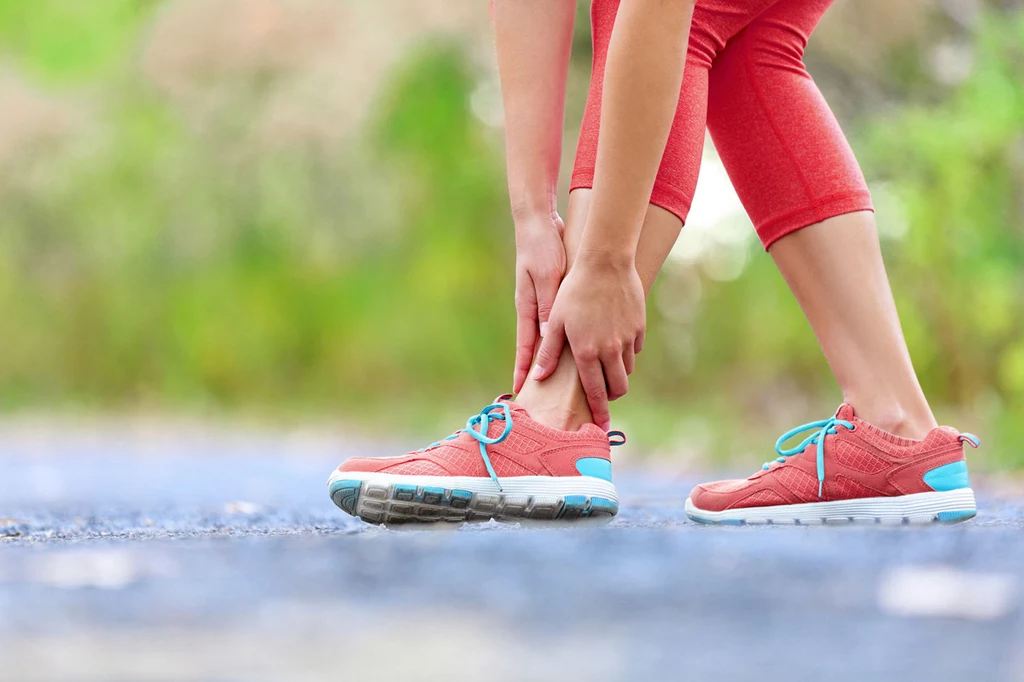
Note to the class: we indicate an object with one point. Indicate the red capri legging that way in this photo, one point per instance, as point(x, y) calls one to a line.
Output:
point(746, 82)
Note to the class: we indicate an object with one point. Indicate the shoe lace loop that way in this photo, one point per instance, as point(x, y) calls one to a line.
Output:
point(477, 427)
point(821, 429)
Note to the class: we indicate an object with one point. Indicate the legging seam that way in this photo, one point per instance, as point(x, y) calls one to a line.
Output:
point(771, 119)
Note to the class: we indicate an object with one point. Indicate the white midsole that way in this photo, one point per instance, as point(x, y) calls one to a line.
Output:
point(510, 485)
point(918, 504)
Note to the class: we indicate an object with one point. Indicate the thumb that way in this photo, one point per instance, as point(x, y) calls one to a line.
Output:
point(546, 288)
point(550, 350)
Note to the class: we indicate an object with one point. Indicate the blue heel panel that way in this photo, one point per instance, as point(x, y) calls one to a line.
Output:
point(947, 477)
point(595, 466)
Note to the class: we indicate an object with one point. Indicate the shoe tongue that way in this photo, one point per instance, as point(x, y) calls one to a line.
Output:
point(845, 412)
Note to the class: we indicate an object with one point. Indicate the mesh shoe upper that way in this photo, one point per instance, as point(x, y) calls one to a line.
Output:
point(861, 462)
point(529, 449)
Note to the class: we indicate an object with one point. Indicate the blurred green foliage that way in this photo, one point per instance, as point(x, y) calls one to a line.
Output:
point(147, 260)
point(60, 40)
point(163, 269)
point(958, 169)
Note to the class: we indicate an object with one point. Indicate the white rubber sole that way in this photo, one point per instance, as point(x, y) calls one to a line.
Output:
point(392, 498)
point(952, 506)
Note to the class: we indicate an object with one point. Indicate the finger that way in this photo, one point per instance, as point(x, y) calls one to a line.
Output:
point(550, 350)
point(546, 288)
point(638, 345)
point(526, 330)
point(615, 376)
point(592, 378)
point(628, 359)
point(526, 343)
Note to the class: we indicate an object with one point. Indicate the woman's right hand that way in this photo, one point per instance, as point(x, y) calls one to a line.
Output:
point(600, 313)
point(540, 266)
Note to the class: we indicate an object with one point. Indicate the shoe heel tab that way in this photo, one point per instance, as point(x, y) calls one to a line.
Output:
point(616, 438)
point(970, 439)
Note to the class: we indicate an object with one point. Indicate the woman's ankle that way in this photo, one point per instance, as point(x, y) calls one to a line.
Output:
point(562, 418)
point(893, 416)
point(559, 400)
point(556, 403)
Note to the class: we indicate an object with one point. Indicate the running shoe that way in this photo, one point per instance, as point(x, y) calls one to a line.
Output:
point(503, 465)
point(847, 470)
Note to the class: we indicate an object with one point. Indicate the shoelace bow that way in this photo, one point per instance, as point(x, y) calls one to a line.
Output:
point(478, 425)
point(821, 429)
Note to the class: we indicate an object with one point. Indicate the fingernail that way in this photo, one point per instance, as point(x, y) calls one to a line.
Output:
point(543, 328)
point(537, 371)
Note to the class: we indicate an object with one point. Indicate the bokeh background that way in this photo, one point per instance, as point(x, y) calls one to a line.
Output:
point(295, 210)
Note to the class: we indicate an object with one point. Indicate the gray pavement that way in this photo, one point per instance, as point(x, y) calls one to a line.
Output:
point(214, 558)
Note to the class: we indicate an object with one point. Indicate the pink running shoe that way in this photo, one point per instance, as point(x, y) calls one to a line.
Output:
point(503, 465)
point(848, 470)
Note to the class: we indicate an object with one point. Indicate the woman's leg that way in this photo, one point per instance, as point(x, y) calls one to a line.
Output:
point(799, 181)
point(851, 309)
point(559, 400)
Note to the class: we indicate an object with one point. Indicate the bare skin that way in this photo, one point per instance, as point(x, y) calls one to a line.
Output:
point(599, 307)
point(852, 312)
point(850, 309)
point(599, 310)
point(560, 400)
point(615, 242)
point(534, 42)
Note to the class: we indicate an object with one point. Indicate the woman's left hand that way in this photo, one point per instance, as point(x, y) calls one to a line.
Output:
point(540, 264)
point(600, 311)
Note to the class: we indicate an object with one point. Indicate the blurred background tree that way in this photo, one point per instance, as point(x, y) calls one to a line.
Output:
point(296, 207)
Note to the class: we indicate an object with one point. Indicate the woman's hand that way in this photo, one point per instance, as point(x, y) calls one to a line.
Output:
point(600, 311)
point(540, 266)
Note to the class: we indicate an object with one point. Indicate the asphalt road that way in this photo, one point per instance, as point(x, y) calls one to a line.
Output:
point(186, 558)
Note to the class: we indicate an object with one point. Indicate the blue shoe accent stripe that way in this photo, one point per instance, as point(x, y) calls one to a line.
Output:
point(574, 507)
point(711, 522)
point(345, 494)
point(597, 467)
point(460, 499)
point(601, 505)
point(405, 493)
point(433, 495)
point(956, 515)
point(948, 477)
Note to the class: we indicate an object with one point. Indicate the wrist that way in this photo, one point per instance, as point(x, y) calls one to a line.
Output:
point(531, 206)
point(607, 259)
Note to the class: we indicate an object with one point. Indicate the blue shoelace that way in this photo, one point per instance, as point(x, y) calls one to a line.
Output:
point(478, 425)
point(821, 429)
